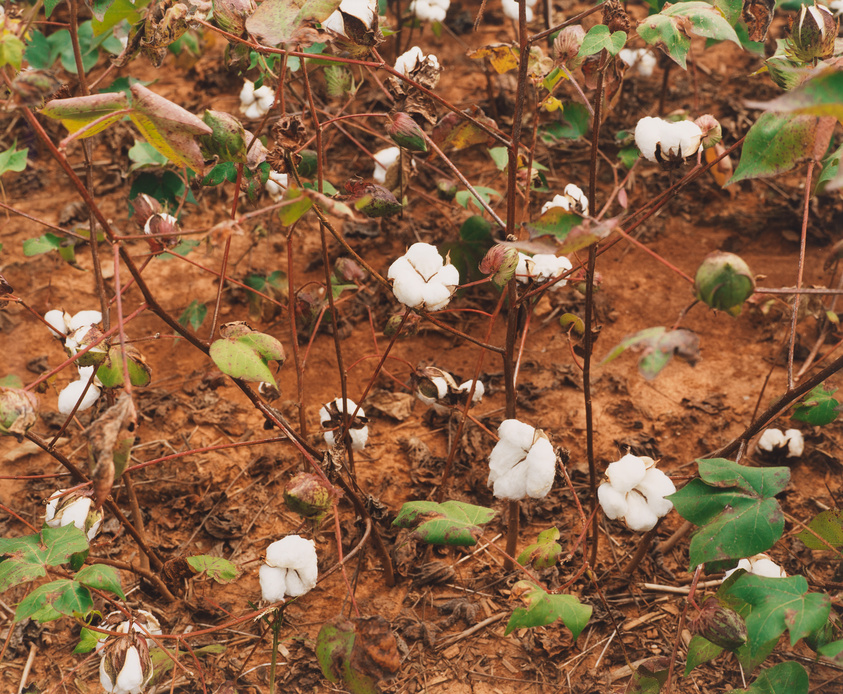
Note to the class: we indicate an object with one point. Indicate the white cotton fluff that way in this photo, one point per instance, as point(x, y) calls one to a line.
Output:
point(291, 568)
point(430, 10)
point(795, 443)
point(383, 160)
point(561, 201)
point(770, 440)
point(255, 103)
point(635, 492)
point(72, 509)
point(359, 435)
point(479, 389)
point(364, 10)
point(577, 197)
point(773, 439)
point(541, 267)
point(674, 139)
point(421, 279)
point(130, 679)
point(759, 565)
point(639, 59)
point(521, 463)
point(276, 185)
point(70, 394)
point(510, 9)
point(410, 60)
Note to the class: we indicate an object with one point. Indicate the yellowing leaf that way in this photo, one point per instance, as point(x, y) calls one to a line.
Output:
point(502, 56)
point(77, 112)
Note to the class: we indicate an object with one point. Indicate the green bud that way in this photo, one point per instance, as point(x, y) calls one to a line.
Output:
point(722, 626)
point(406, 133)
point(227, 141)
point(813, 33)
point(307, 495)
point(231, 15)
point(712, 133)
point(500, 262)
point(724, 281)
point(18, 411)
point(377, 201)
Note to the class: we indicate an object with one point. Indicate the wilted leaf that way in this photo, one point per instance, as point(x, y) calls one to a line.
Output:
point(502, 56)
point(77, 112)
point(276, 21)
point(18, 411)
point(459, 132)
point(543, 608)
point(449, 523)
point(821, 95)
point(334, 646)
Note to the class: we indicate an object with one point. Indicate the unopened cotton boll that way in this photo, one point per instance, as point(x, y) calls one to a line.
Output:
point(291, 568)
point(422, 279)
point(126, 667)
point(522, 463)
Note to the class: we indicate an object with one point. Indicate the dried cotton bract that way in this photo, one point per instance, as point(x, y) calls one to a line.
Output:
point(635, 492)
point(430, 10)
point(522, 463)
point(290, 568)
point(663, 142)
point(422, 279)
point(255, 103)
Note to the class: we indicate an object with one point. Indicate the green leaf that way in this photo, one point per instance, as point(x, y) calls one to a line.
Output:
point(500, 156)
point(12, 160)
point(572, 124)
point(53, 600)
point(219, 569)
point(731, 10)
point(818, 408)
point(11, 50)
point(783, 678)
point(110, 373)
point(556, 222)
point(43, 244)
point(194, 315)
point(143, 155)
point(101, 577)
point(661, 29)
point(706, 21)
point(700, 650)
point(658, 346)
point(88, 640)
point(735, 508)
point(276, 21)
point(485, 194)
point(775, 144)
point(449, 523)
point(543, 553)
point(78, 111)
point(820, 96)
point(829, 526)
point(49, 6)
point(599, 38)
point(544, 608)
point(27, 557)
point(109, 13)
point(779, 604)
point(294, 205)
point(245, 356)
point(226, 171)
point(334, 646)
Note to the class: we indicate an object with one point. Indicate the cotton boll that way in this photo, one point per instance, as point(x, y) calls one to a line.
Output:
point(84, 318)
point(408, 61)
point(479, 390)
point(690, 136)
point(425, 259)
point(613, 502)
point(626, 473)
point(511, 485)
point(795, 443)
point(541, 463)
point(578, 197)
point(383, 160)
point(436, 296)
point(265, 98)
point(639, 516)
point(58, 320)
point(517, 433)
point(273, 583)
point(334, 22)
point(276, 185)
point(647, 136)
point(504, 456)
point(762, 565)
point(560, 201)
point(655, 486)
point(71, 393)
point(771, 439)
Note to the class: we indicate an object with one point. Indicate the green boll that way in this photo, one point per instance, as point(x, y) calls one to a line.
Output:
point(227, 141)
point(723, 282)
point(722, 626)
point(812, 35)
point(307, 495)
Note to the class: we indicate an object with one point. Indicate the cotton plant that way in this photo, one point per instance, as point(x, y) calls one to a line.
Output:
point(510, 9)
point(641, 60)
point(774, 441)
point(573, 199)
point(255, 103)
point(667, 142)
point(635, 492)
point(276, 185)
point(759, 565)
point(290, 568)
point(542, 267)
point(125, 667)
point(142, 623)
point(430, 10)
point(422, 279)
point(73, 508)
point(522, 463)
point(331, 418)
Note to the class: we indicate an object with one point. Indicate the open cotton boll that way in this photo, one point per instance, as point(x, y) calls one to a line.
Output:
point(255, 103)
point(295, 563)
point(409, 60)
point(613, 502)
point(795, 443)
point(72, 509)
point(759, 565)
point(517, 433)
point(639, 59)
point(626, 473)
point(648, 132)
point(425, 259)
point(579, 199)
point(640, 516)
point(681, 139)
point(655, 486)
point(363, 10)
point(58, 320)
point(84, 318)
point(71, 393)
point(479, 390)
point(541, 469)
point(430, 10)
point(522, 463)
point(771, 439)
point(561, 201)
point(383, 160)
point(331, 418)
point(276, 185)
point(421, 279)
point(437, 294)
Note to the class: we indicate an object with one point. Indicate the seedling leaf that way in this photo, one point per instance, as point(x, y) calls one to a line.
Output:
point(219, 569)
point(818, 408)
point(28, 556)
point(13, 160)
point(543, 608)
point(449, 523)
point(735, 508)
